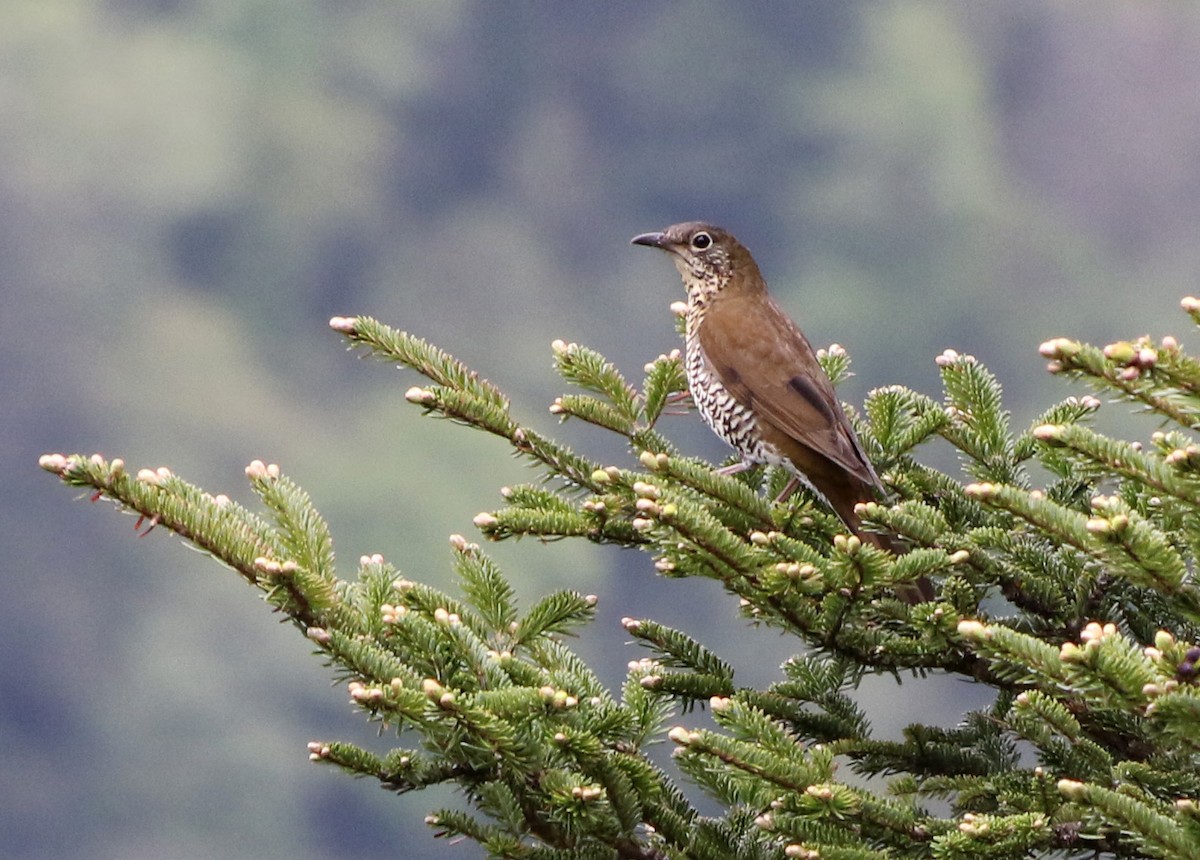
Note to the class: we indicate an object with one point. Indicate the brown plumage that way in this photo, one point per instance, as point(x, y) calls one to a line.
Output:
point(757, 382)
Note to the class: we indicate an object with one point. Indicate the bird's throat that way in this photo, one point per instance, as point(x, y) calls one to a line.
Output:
point(701, 291)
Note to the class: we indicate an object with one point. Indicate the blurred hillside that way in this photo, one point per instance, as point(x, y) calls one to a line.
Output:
point(189, 189)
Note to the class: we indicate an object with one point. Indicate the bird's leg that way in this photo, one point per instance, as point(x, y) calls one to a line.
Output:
point(735, 468)
point(678, 403)
point(789, 488)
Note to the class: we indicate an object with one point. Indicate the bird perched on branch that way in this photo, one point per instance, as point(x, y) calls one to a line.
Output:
point(757, 382)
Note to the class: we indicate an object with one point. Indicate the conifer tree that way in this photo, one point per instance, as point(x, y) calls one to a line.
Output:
point(1065, 569)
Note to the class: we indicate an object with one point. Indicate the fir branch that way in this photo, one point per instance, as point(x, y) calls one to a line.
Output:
point(1073, 410)
point(702, 478)
point(382, 341)
point(676, 649)
point(304, 532)
point(1178, 368)
point(1122, 540)
point(590, 370)
point(1122, 458)
point(466, 407)
point(682, 517)
point(593, 411)
point(516, 521)
point(560, 459)
point(501, 803)
point(979, 424)
point(369, 664)
point(214, 525)
point(455, 822)
point(664, 378)
point(997, 837)
point(556, 613)
point(553, 763)
point(901, 419)
point(1121, 368)
point(689, 688)
point(462, 395)
point(1147, 826)
point(1014, 655)
point(835, 361)
point(484, 586)
point(740, 772)
point(1176, 713)
point(308, 547)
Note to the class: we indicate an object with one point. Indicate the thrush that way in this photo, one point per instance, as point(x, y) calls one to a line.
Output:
point(757, 383)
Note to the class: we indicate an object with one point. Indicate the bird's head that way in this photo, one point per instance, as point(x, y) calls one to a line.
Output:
point(708, 258)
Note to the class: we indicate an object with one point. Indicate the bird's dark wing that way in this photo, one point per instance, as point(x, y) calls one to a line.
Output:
point(768, 366)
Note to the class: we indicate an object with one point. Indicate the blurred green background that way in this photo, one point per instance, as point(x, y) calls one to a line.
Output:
point(189, 189)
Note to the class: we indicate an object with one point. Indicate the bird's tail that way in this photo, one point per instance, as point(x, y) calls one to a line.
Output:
point(843, 496)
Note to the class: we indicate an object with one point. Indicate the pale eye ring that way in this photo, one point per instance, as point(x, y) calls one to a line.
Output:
point(701, 241)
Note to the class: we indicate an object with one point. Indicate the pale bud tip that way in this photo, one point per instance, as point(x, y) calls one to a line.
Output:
point(646, 490)
point(1071, 789)
point(1048, 432)
point(680, 735)
point(258, 470)
point(342, 324)
point(53, 463)
point(947, 358)
point(971, 629)
point(1058, 347)
point(980, 491)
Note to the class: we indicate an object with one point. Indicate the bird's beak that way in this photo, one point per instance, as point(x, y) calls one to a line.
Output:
point(651, 240)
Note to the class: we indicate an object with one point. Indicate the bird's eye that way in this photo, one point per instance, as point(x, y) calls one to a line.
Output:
point(701, 241)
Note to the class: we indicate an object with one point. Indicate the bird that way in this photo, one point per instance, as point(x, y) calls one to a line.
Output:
point(756, 381)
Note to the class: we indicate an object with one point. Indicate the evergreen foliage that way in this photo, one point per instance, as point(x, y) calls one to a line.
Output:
point(1074, 601)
